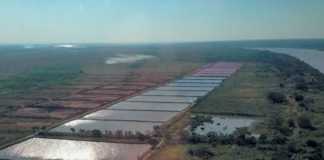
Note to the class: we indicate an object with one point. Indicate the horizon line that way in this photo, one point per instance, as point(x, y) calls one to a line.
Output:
point(162, 42)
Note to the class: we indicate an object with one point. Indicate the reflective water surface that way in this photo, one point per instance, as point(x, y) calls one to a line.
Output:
point(50, 149)
point(163, 99)
point(120, 115)
point(105, 126)
point(193, 84)
point(199, 81)
point(175, 93)
point(172, 88)
point(149, 106)
point(203, 78)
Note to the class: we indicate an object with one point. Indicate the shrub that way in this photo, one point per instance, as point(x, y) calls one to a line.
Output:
point(153, 142)
point(292, 147)
point(302, 86)
point(299, 98)
point(285, 130)
point(199, 120)
point(291, 123)
point(278, 139)
point(203, 153)
point(281, 154)
point(312, 143)
point(305, 123)
point(212, 138)
point(140, 136)
point(263, 139)
point(195, 138)
point(277, 97)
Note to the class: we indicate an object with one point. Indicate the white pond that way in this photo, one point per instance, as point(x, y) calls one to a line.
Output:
point(122, 58)
point(224, 125)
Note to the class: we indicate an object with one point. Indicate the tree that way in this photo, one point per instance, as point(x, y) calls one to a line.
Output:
point(96, 133)
point(119, 134)
point(35, 128)
point(82, 131)
point(72, 130)
point(110, 134)
point(140, 136)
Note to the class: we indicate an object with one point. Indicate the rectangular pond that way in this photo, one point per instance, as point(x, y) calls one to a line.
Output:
point(105, 126)
point(50, 149)
point(178, 88)
point(204, 78)
point(167, 99)
point(199, 81)
point(175, 93)
point(193, 84)
point(139, 116)
point(149, 106)
point(212, 74)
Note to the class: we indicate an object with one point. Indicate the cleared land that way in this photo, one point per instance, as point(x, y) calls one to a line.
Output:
point(32, 100)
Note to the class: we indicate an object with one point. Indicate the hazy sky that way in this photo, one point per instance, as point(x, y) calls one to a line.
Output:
point(114, 21)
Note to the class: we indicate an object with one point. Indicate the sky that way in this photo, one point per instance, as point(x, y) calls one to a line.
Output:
point(147, 21)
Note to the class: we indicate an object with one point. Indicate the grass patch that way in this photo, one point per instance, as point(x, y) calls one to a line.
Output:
point(242, 94)
point(231, 152)
point(171, 152)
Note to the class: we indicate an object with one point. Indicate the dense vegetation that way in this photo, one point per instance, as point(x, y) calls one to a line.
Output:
point(38, 79)
point(291, 104)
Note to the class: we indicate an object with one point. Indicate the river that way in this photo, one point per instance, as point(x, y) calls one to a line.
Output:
point(313, 57)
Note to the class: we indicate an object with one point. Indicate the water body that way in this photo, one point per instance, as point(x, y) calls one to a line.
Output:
point(193, 85)
point(163, 99)
point(105, 126)
point(175, 93)
point(123, 115)
point(127, 58)
point(149, 106)
point(50, 149)
point(313, 57)
point(224, 125)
